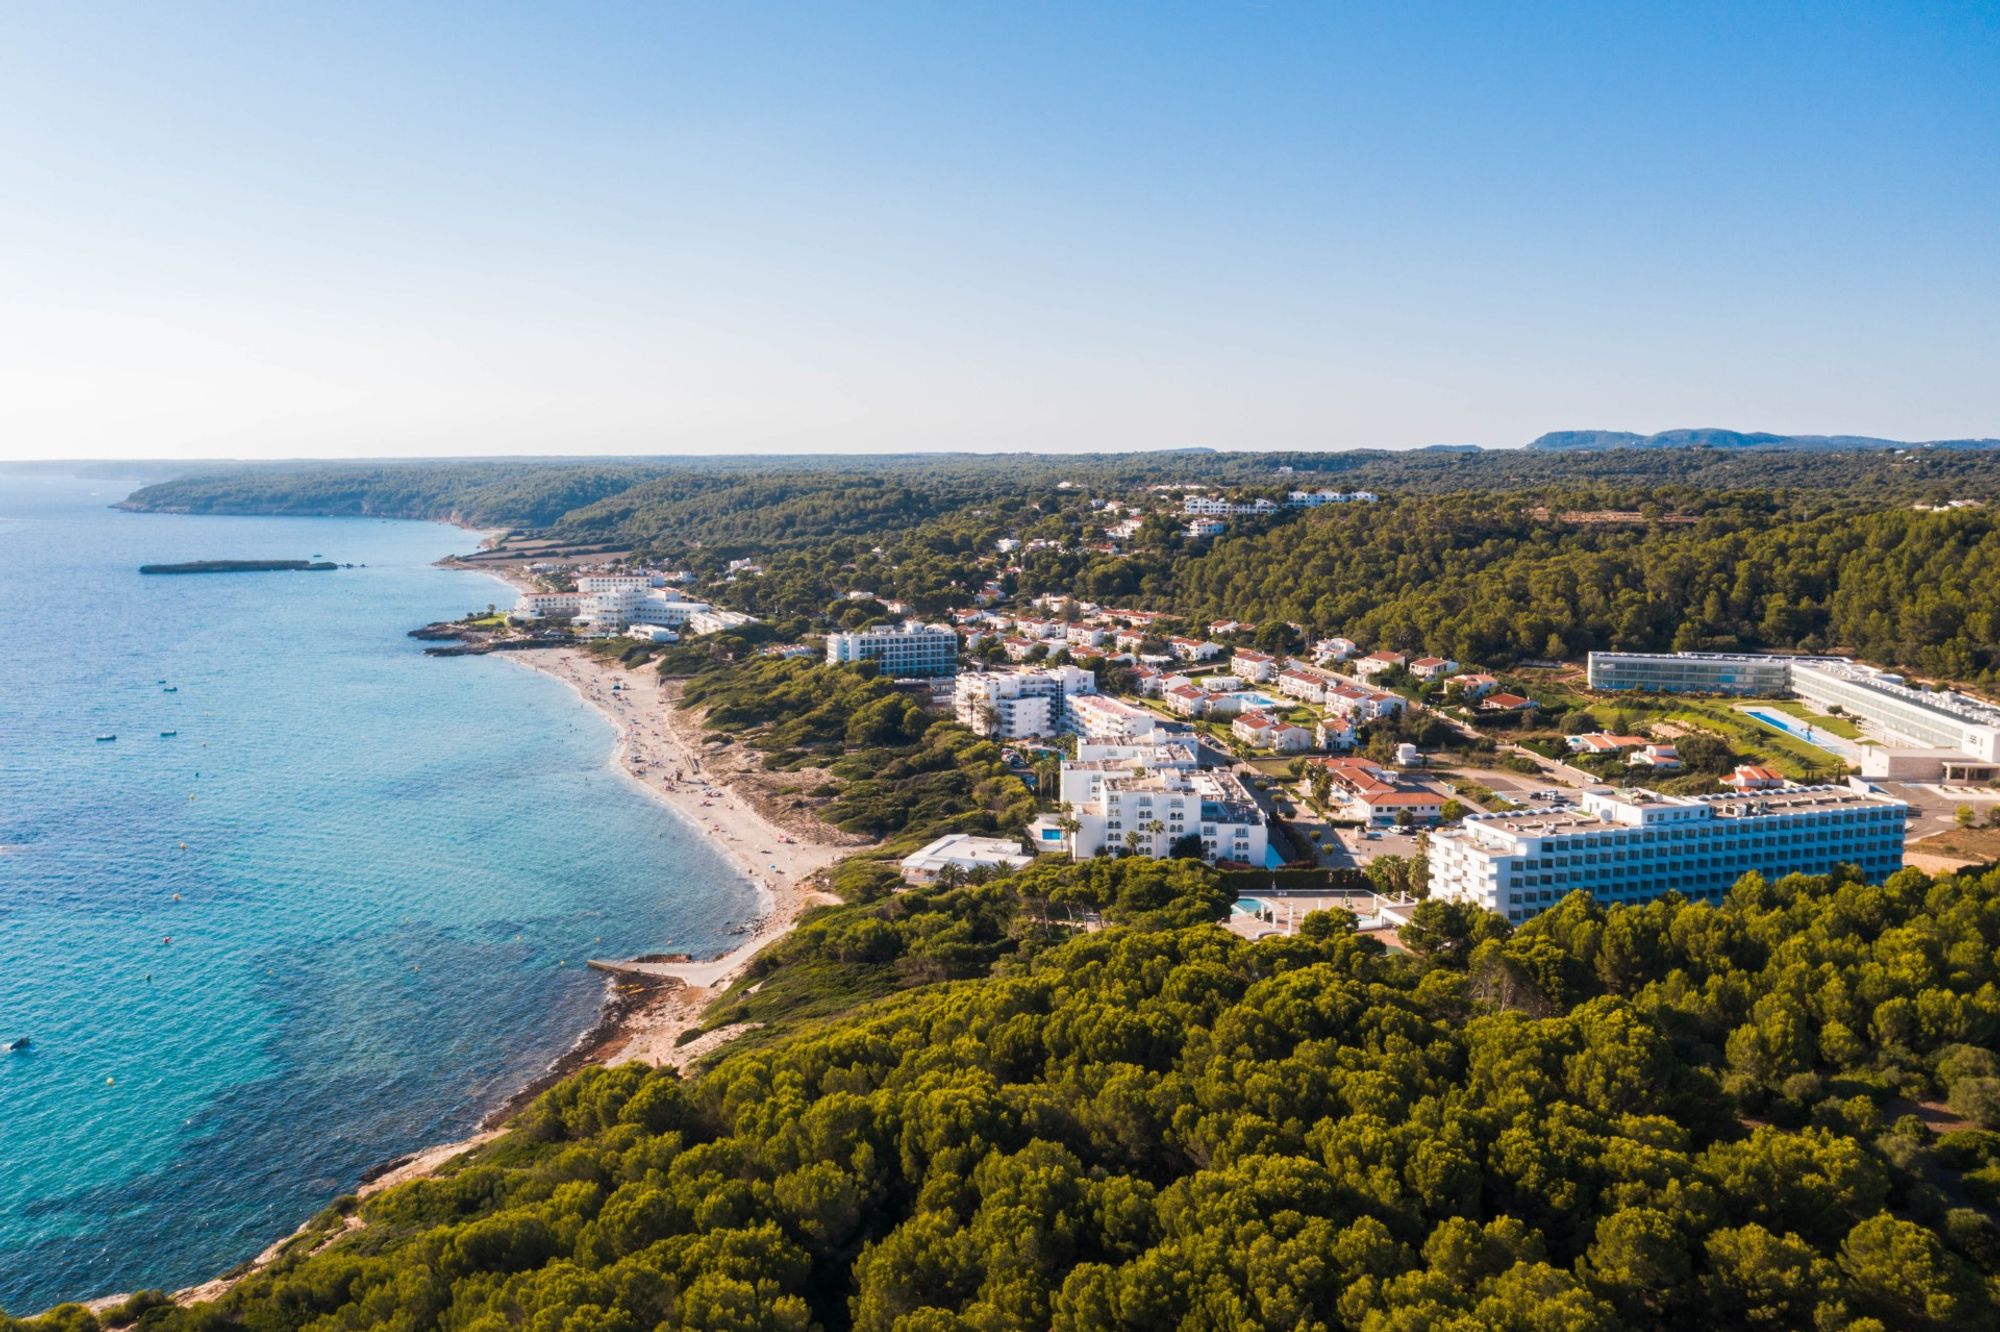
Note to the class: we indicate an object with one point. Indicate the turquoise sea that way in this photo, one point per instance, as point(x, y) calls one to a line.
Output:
point(380, 874)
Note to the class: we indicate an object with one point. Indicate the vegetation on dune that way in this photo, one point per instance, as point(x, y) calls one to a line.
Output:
point(1066, 1099)
point(1670, 1116)
point(895, 769)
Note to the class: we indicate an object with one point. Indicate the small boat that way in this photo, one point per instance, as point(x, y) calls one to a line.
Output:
point(168, 735)
point(102, 738)
point(171, 689)
point(18, 1044)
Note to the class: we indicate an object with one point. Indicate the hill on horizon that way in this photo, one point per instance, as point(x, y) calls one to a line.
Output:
point(1713, 438)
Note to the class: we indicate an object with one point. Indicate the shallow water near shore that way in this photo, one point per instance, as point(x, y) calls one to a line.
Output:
point(380, 875)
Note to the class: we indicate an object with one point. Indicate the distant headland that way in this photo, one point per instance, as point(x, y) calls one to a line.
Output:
point(239, 566)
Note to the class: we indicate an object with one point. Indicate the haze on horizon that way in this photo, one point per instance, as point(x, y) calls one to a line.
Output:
point(371, 230)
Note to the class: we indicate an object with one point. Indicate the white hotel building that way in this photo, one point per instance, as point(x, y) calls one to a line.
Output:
point(1015, 705)
point(1101, 720)
point(609, 603)
point(1147, 798)
point(1938, 718)
point(1692, 672)
point(1960, 734)
point(538, 605)
point(910, 649)
point(611, 610)
point(1634, 846)
point(616, 582)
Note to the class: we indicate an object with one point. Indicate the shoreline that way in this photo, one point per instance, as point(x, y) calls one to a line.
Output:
point(649, 1007)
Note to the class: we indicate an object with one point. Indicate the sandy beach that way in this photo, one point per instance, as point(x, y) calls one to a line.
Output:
point(654, 1004)
point(660, 749)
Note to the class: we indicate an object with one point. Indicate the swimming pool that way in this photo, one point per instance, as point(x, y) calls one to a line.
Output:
point(1800, 729)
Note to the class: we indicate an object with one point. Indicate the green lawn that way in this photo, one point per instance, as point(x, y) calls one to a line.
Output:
point(1479, 793)
point(1754, 740)
point(1839, 726)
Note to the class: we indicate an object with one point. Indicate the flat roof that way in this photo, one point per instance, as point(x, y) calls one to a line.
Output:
point(1726, 806)
point(1945, 703)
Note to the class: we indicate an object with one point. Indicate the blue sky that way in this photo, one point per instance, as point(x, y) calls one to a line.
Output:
point(286, 230)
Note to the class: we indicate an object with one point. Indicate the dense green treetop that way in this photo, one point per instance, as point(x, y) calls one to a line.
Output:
point(1469, 555)
point(1669, 1116)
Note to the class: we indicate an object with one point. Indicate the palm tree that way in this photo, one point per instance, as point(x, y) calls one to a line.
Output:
point(1066, 819)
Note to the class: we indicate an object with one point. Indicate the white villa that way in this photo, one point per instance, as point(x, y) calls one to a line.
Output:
point(1258, 666)
point(966, 853)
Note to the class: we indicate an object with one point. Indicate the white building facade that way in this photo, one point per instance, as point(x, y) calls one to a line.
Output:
point(1017, 705)
point(1132, 805)
point(1937, 718)
point(1634, 846)
point(1102, 720)
point(910, 649)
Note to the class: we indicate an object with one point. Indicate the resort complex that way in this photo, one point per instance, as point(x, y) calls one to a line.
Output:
point(1145, 800)
point(1633, 846)
point(1000, 668)
point(907, 650)
point(1055, 739)
point(1929, 732)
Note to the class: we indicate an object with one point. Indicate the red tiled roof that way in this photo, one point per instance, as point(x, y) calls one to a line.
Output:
point(1388, 796)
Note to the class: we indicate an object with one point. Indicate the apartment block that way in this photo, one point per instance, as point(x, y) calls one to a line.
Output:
point(1143, 808)
point(1634, 846)
point(1016, 705)
point(1104, 720)
point(909, 649)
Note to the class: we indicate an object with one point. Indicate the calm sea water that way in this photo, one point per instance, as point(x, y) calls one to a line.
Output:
point(380, 873)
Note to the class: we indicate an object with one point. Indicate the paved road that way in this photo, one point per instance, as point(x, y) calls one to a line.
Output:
point(1554, 771)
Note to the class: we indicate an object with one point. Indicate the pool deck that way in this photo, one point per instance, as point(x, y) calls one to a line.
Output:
point(1803, 731)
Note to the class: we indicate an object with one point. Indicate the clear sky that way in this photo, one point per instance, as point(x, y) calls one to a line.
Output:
point(292, 229)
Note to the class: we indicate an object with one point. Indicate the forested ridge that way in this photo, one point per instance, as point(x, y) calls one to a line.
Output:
point(1668, 1116)
point(912, 486)
point(1477, 582)
point(1468, 555)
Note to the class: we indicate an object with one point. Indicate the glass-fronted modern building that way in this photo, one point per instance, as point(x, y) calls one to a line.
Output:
point(1935, 717)
point(1693, 672)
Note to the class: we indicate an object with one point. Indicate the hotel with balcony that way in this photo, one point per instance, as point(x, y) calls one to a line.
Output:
point(905, 651)
point(1145, 797)
point(1945, 734)
point(1634, 846)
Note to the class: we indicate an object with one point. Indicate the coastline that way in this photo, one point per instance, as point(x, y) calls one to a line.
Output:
point(651, 1005)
